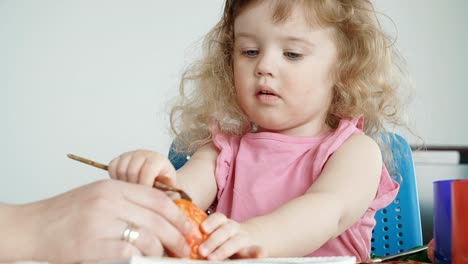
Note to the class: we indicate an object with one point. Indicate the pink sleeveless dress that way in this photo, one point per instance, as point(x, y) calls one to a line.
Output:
point(258, 172)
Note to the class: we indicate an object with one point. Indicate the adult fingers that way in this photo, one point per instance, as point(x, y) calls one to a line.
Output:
point(146, 207)
point(162, 224)
point(159, 229)
point(108, 224)
point(104, 249)
point(142, 196)
point(158, 202)
point(146, 241)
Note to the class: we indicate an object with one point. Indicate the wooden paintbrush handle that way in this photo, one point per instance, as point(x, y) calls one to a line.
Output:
point(157, 184)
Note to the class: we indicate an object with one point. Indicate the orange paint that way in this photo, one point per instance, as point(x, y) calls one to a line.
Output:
point(196, 236)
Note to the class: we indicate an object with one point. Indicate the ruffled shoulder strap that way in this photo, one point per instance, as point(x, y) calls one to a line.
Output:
point(228, 146)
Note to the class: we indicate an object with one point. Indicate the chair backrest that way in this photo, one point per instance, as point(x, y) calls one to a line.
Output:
point(398, 226)
point(177, 159)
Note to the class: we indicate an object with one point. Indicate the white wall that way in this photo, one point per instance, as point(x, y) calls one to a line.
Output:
point(93, 78)
point(433, 37)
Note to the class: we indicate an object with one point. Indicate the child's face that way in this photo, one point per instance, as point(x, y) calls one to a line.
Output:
point(282, 71)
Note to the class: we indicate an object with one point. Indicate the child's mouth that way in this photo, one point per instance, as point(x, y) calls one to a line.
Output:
point(266, 93)
point(267, 97)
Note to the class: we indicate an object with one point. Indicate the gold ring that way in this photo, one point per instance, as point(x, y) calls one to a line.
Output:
point(131, 233)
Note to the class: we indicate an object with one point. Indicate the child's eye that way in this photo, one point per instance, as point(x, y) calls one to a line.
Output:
point(250, 53)
point(292, 55)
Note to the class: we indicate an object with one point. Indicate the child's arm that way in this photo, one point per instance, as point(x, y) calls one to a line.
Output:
point(338, 198)
point(197, 176)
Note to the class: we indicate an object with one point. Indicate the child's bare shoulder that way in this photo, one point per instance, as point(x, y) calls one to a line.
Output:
point(360, 145)
point(360, 141)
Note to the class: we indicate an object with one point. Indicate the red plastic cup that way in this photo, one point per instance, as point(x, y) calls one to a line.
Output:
point(460, 222)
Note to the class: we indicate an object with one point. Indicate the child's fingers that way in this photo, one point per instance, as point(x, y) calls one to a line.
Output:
point(112, 168)
point(148, 172)
point(156, 165)
point(213, 222)
point(116, 166)
point(229, 247)
point(142, 166)
point(134, 167)
point(251, 252)
point(168, 175)
point(122, 165)
point(218, 237)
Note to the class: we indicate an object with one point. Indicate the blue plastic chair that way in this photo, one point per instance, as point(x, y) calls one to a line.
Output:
point(398, 226)
point(177, 159)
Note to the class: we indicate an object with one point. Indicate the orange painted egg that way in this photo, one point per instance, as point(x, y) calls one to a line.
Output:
point(196, 236)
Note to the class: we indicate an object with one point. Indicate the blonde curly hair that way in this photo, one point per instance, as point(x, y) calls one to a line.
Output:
point(367, 74)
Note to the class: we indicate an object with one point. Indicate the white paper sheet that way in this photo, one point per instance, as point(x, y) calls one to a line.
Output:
point(305, 260)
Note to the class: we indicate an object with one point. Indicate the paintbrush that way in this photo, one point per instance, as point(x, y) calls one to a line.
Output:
point(157, 184)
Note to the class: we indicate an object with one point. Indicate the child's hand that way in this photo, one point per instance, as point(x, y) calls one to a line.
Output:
point(143, 167)
point(227, 238)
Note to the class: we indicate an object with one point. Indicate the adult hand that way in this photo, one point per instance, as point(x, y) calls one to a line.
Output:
point(87, 223)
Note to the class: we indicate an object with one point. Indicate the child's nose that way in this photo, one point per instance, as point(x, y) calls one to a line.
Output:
point(265, 67)
point(261, 73)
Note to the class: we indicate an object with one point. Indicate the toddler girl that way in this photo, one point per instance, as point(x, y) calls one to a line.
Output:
point(284, 115)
